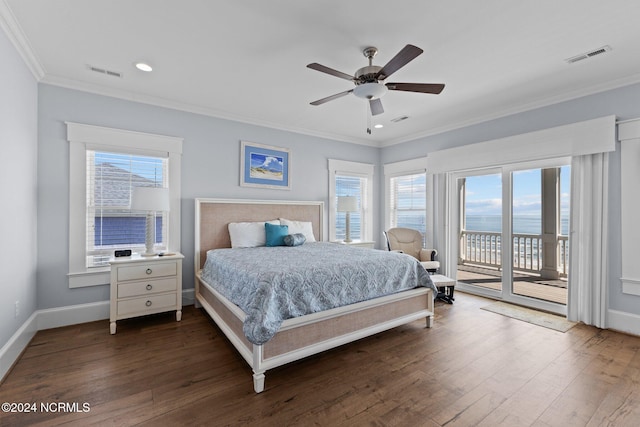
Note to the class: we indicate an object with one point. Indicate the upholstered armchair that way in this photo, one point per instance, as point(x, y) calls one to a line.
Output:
point(409, 241)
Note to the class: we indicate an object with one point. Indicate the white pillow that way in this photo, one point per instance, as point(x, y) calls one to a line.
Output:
point(299, 227)
point(248, 234)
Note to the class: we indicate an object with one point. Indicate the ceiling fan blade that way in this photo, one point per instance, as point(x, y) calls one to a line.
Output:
point(434, 88)
point(376, 106)
point(332, 97)
point(323, 69)
point(406, 55)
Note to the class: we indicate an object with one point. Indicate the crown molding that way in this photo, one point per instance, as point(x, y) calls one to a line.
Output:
point(566, 96)
point(190, 108)
point(15, 34)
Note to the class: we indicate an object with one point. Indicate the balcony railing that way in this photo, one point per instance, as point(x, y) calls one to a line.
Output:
point(563, 255)
point(484, 249)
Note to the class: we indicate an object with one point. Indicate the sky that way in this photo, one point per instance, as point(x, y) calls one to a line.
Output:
point(266, 161)
point(484, 193)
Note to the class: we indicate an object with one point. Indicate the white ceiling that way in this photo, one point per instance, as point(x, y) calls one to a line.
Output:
point(246, 60)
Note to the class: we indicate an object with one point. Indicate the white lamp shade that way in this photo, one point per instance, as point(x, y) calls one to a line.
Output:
point(347, 204)
point(150, 199)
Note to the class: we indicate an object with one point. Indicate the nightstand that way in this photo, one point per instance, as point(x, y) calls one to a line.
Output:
point(145, 285)
point(359, 243)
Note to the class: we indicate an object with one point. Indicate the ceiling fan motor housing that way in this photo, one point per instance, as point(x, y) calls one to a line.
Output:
point(367, 74)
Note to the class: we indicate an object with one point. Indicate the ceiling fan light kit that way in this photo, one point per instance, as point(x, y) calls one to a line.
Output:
point(369, 80)
point(370, 90)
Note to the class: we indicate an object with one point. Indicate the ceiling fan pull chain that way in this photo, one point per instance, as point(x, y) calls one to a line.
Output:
point(368, 118)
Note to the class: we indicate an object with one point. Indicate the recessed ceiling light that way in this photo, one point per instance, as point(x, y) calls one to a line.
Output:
point(379, 126)
point(143, 67)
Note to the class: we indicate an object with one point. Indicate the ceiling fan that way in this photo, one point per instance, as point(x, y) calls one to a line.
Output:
point(369, 80)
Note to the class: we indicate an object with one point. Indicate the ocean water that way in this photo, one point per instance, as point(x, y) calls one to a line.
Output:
point(522, 224)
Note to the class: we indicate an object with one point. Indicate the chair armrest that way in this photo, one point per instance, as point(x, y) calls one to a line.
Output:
point(428, 254)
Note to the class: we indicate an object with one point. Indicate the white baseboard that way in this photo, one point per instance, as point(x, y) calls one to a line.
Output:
point(623, 322)
point(57, 317)
point(72, 315)
point(11, 351)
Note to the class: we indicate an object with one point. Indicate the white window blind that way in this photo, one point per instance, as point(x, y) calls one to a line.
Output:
point(351, 186)
point(110, 222)
point(408, 201)
point(350, 179)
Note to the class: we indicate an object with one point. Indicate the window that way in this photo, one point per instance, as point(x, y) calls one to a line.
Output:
point(350, 186)
point(111, 224)
point(351, 179)
point(406, 205)
point(105, 164)
point(408, 201)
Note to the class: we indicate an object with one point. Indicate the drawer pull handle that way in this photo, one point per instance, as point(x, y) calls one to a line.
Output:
point(149, 287)
point(148, 303)
point(149, 271)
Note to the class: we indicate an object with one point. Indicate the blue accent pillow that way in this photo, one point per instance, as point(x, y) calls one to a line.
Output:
point(295, 239)
point(275, 234)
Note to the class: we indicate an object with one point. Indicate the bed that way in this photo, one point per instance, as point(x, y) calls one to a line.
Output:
point(304, 335)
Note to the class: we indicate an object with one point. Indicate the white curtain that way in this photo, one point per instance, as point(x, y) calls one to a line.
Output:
point(588, 252)
point(439, 216)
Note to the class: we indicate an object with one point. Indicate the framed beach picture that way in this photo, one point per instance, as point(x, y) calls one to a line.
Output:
point(264, 166)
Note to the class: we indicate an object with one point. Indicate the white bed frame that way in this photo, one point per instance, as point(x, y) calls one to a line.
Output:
point(302, 336)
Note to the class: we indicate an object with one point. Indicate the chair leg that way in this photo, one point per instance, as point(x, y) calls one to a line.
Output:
point(442, 296)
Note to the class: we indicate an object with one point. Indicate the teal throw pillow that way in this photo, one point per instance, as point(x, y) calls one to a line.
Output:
point(275, 234)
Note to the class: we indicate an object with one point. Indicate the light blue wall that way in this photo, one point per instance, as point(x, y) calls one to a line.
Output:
point(18, 143)
point(623, 102)
point(210, 168)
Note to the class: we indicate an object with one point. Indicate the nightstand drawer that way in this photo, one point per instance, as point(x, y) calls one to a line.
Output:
point(147, 271)
point(147, 287)
point(150, 304)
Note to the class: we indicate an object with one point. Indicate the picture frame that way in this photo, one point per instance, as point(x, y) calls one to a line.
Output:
point(264, 166)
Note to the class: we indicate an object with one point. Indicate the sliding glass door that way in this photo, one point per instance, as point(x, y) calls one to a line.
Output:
point(480, 230)
point(540, 212)
point(512, 238)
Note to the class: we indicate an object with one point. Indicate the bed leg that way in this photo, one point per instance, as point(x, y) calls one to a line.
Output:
point(258, 382)
point(429, 321)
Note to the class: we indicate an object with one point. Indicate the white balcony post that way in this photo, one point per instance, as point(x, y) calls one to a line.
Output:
point(550, 222)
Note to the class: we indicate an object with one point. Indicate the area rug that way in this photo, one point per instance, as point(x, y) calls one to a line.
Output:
point(540, 318)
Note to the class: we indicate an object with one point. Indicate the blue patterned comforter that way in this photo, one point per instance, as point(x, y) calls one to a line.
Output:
point(272, 284)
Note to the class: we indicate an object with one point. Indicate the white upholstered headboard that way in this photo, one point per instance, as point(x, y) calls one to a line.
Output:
point(214, 215)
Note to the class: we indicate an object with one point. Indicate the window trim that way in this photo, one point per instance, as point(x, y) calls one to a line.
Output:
point(82, 137)
point(356, 169)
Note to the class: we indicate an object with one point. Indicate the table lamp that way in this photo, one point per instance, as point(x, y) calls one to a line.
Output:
point(151, 200)
point(347, 204)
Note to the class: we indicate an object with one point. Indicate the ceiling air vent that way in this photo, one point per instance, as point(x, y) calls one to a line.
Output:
point(587, 55)
point(104, 71)
point(399, 119)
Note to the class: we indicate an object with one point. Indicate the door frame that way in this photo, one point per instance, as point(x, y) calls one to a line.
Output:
point(452, 232)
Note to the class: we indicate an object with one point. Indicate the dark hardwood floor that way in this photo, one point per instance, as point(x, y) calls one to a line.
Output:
point(472, 368)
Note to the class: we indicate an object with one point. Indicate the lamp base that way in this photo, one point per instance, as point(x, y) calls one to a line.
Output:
point(150, 235)
point(148, 254)
point(347, 237)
